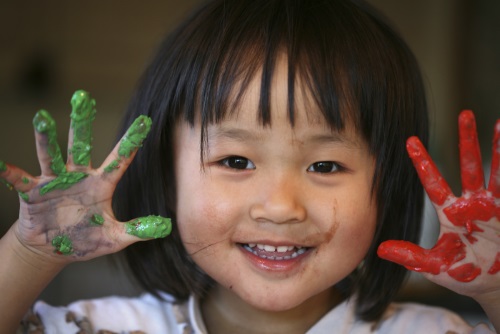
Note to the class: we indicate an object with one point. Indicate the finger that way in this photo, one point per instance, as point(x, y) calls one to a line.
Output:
point(407, 254)
point(80, 136)
point(123, 153)
point(434, 184)
point(494, 183)
point(470, 155)
point(48, 151)
point(16, 178)
point(448, 250)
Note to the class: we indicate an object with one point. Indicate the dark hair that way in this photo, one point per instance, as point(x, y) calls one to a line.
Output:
point(358, 70)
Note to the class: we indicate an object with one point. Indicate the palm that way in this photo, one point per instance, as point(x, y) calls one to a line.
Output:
point(74, 213)
point(466, 257)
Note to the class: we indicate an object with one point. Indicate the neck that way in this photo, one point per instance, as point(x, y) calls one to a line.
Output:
point(225, 312)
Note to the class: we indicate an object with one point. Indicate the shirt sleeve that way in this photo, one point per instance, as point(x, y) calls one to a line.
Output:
point(145, 314)
point(419, 319)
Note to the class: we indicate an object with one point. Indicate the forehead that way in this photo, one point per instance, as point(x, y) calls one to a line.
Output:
point(305, 116)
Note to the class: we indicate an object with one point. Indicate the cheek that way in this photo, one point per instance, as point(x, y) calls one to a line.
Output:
point(357, 223)
point(202, 220)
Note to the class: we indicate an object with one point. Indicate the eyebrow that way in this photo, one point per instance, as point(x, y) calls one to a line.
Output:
point(243, 135)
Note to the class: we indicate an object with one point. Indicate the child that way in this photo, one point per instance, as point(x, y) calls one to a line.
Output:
point(277, 149)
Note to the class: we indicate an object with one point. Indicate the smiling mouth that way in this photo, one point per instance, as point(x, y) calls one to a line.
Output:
point(278, 253)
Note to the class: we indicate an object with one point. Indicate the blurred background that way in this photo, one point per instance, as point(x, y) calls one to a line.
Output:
point(49, 49)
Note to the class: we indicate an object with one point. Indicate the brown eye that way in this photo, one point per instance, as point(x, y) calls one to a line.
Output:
point(237, 162)
point(324, 167)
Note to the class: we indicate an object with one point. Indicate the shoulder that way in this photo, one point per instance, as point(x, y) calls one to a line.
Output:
point(144, 314)
point(417, 318)
point(408, 318)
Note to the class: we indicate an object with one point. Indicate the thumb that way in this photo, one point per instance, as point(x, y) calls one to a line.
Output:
point(149, 227)
point(448, 250)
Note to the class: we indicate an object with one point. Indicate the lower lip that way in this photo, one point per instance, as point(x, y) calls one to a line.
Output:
point(275, 265)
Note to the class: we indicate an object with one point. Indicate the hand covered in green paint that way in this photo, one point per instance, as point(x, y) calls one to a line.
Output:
point(65, 213)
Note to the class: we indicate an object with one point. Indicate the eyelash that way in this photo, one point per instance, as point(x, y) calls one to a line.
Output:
point(244, 164)
point(226, 162)
point(331, 166)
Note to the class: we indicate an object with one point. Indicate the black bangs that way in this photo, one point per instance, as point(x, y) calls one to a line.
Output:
point(334, 50)
point(239, 40)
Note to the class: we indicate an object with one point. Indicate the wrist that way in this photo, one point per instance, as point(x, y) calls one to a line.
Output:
point(490, 303)
point(30, 256)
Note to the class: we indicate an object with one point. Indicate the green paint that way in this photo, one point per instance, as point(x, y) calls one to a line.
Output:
point(135, 135)
point(7, 184)
point(3, 166)
point(63, 181)
point(97, 219)
point(24, 196)
point(45, 124)
point(149, 227)
point(63, 245)
point(25, 180)
point(82, 115)
point(115, 164)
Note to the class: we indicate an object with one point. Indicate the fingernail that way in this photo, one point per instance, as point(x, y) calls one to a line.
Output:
point(43, 122)
point(83, 106)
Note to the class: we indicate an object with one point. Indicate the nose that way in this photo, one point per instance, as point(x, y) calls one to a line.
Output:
point(279, 199)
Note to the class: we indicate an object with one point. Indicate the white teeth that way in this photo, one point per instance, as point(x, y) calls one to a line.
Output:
point(269, 248)
point(280, 249)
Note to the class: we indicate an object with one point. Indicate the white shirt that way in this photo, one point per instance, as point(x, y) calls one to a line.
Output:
point(147, 314)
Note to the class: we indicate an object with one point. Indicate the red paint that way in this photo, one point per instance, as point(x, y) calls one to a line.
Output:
point(448, 250)
point(477, 204)
point(470, 154)
point(434, 184)
point(494, 184)
point(496, 265)
point(465, 273)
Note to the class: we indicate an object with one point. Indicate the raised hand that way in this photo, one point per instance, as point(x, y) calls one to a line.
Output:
point(65, 214)
point(466, 257)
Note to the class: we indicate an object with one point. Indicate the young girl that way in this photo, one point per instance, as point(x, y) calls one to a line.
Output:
point(276, 149)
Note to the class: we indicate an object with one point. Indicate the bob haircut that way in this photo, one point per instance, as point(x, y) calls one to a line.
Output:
point(356, 68)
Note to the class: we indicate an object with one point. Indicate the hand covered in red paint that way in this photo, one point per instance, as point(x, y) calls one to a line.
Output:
point(466, 257)
point(65, 214)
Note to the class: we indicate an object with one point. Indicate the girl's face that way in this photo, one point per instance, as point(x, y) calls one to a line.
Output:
point(276, 214)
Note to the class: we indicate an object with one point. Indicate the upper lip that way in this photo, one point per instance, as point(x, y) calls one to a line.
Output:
point(275, 243)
